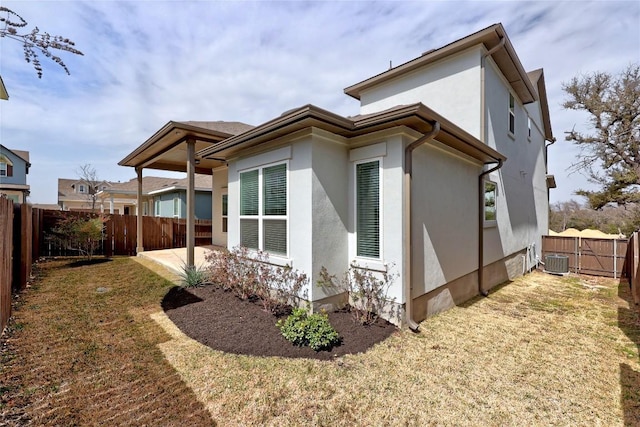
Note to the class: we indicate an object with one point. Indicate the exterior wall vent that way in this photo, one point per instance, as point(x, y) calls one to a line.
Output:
point(556, 264)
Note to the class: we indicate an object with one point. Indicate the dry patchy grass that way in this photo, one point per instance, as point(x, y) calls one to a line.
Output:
point(80, 355)
point(543, 350)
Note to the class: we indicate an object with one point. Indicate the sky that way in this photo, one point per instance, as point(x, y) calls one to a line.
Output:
point(148, 62)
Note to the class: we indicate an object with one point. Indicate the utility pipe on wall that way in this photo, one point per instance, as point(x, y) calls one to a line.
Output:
point(408, 241)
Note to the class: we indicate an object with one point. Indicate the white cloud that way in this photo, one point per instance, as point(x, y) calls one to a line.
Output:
point(148, 62)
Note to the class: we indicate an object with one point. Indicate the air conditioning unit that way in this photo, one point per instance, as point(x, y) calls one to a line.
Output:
point(556, 264)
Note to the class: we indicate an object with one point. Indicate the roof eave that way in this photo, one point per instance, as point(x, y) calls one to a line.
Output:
point(279, 124)
point(489, 37)
point(173, 132)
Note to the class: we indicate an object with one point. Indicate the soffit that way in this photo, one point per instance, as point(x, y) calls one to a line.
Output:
point(167, 148)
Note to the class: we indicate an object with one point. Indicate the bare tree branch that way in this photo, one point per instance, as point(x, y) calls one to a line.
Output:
point(34, 42)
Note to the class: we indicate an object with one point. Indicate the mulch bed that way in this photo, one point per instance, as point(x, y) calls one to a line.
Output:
point(220, 320)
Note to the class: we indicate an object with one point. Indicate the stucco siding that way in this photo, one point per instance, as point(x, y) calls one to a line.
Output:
point(330, 210)
point(451, 87)
point(444, 217)
point(299, 187)
point(219, 187)
point(390, 150)
point(522, 205)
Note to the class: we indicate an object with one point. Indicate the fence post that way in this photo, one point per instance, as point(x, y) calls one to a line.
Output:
point(6, 265)
point(634, 268)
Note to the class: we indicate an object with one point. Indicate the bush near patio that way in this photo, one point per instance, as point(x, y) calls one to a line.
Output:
point(81, 234)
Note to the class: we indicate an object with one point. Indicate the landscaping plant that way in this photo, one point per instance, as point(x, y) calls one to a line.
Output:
point(313, 330)
point(367, 290)
point(80, 233)
point(250, 275)
point(192, 276)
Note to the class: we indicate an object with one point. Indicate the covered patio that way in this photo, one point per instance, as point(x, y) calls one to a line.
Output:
point(173, 148)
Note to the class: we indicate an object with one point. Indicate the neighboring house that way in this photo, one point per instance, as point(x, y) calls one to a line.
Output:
point(451, 198)
point(162, 197)
point(77, 195)
point(14, 167)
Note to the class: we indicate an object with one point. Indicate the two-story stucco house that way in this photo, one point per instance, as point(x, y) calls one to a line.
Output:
point(441, 178)
point(14, 167)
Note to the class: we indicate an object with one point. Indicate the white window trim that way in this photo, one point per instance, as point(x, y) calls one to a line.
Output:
point(261, 217)
point(3, 169)
point(491, 222)
point(176, 209)
point(81, 188)
point(368, 262)
point(156, 207)
point(222, 215)
point(529, 128)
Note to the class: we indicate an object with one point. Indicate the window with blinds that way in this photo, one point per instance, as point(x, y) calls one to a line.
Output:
point(368, 209)
point(263, 209)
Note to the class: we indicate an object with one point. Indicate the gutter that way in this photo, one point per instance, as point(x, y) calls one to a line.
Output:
point(408, 241)
point(481, 290)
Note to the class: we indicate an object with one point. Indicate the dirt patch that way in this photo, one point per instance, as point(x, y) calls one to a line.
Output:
point(222, 321)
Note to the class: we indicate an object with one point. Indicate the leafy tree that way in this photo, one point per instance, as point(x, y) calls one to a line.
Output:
point(610, 153)
point(82, 233)
point(34, 42)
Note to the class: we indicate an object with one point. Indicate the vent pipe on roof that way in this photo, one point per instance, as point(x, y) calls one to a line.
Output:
point(408, 241)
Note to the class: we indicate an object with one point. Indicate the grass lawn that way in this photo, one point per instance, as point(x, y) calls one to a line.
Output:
point(543, 350)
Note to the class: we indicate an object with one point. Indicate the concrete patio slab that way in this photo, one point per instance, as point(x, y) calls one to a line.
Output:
point(175, 259)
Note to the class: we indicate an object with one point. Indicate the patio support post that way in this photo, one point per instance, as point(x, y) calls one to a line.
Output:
point(191, 198)
point(139, 238)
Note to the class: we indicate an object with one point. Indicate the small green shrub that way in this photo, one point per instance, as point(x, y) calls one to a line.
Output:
point(313, 330)
point(192, 276)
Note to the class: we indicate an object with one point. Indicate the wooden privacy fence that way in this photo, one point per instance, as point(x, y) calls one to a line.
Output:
point(26, 234)
point(633, 266)
point(597, 257)
point(120, 233)
point(6, 263)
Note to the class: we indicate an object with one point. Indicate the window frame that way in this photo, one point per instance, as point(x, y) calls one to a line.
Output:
point(156, 207)
point(82, 189)
point(261, 216)
point(379, 160)
point(529, 129)
point(493, 221)
point(176, 206)
point(225, 215)
point(4, 169)
point(511, 123)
